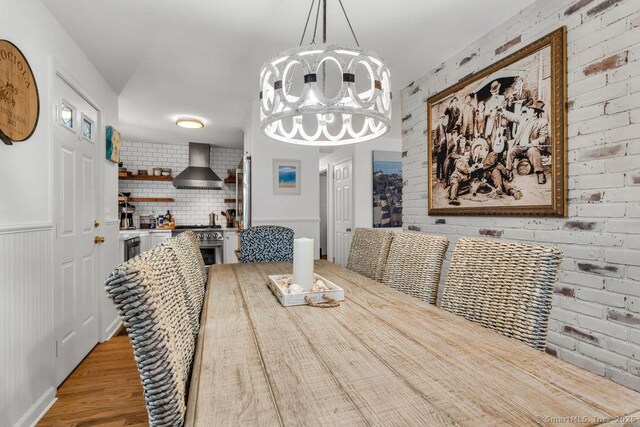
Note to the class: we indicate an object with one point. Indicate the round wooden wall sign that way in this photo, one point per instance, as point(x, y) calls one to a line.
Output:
point(19, 101)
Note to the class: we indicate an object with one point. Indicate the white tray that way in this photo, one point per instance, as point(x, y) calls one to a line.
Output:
point(288, 300)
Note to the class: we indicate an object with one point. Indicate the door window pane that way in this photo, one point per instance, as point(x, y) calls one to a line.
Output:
point(66, 115)
point(87, 128)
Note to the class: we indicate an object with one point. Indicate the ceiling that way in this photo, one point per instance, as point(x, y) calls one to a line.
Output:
point(168, 58)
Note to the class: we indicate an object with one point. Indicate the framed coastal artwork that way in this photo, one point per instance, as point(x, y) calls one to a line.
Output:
point(286, 176)
point(497, 139)
point(113, 145)
point(387, 189)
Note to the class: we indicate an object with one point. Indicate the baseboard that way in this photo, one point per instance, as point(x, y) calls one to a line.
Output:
point(112, 329)
point(38, 409)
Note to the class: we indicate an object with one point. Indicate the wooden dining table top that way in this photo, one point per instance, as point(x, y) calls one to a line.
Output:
point(380, 358)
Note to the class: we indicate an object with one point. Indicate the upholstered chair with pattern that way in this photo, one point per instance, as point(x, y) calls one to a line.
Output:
point(504, 286)
point(415, 264)
point(369, 252)
point(266, 243)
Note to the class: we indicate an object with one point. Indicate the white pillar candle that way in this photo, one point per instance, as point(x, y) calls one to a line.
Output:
point(303, 263)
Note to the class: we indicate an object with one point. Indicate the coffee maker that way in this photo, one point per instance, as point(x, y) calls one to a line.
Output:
point(126, 213)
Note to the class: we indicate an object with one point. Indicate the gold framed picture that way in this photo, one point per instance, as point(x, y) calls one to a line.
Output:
point(497, 139)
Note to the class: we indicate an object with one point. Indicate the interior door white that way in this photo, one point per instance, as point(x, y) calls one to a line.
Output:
point(78, 192)
point(342, 211)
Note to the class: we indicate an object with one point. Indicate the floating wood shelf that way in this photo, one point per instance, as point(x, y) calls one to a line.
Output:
point(229, 200)
point(147, 199)
point(146, 178)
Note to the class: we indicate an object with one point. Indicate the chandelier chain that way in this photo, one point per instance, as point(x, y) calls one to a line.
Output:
point(349, 22)
point(315, 29)
point(306, 24)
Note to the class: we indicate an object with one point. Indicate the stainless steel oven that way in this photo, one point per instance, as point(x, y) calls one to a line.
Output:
point(131, 248)
point(210, 240)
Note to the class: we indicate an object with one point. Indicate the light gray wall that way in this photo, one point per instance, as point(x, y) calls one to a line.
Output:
point(595, 321)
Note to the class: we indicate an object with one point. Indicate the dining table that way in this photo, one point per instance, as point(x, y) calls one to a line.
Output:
point(380, 358)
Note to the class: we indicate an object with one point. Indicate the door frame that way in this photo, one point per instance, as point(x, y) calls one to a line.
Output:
point(331, 202)
point(58, 71)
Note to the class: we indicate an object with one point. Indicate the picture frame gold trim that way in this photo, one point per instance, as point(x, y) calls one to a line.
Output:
point(557, 40)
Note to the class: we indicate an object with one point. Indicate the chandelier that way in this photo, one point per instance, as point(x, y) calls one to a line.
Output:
point(325, 94)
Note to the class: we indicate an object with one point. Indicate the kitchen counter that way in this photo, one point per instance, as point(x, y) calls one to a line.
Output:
point(129, 234)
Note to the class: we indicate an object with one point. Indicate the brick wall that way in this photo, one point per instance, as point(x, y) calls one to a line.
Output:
point(596, 309)
point(190, 206)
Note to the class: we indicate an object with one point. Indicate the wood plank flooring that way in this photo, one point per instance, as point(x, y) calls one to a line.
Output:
point(104, 390)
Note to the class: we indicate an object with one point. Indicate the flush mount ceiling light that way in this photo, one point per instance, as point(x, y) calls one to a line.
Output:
point(325, 94)
point(189, 123)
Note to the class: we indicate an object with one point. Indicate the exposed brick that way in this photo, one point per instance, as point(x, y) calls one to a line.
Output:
point(508, 45)
point(626, 318)
point(577, 6)
point(407, 117)
point(441, 221)
point(404, 154)
point(609, 63)
point(413, 228)
point(601, 269)
point(415, 90)
point(600, 152)
point(467, 59)
point(551, 352)
point(602, 7)
point(564, 290)
point(579, 334)
point(580, 225)
point(490, 233)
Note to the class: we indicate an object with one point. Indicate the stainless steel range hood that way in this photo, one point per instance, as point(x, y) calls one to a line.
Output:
point(198, 176)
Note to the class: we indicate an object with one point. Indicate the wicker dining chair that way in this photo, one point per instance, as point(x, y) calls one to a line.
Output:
point(503, 286)
point(266, 243)
point(193, 269)
point(369, 252)
point(415, 263)
point(150, 294)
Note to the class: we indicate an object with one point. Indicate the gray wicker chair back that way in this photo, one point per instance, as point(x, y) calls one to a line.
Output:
point(503, 286)
point(369, 252)
point(192, 267)
point(151, 293)
point(266, 243)
point(415, 263)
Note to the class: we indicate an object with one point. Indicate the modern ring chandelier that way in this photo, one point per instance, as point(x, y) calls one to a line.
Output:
point(325, 94)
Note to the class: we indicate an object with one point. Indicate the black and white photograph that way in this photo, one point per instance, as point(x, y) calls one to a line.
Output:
point(492, 139)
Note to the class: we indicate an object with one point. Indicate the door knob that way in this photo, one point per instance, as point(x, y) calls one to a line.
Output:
point(98, 239)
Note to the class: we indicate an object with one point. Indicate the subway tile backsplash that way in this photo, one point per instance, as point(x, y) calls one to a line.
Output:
point(189, 206)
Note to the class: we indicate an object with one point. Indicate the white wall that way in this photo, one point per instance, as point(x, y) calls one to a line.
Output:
point(299, 212)
point(189, 206)
point(362, 155)
point(27, 238)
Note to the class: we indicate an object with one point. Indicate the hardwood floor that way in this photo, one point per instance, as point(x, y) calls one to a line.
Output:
point(104, 390)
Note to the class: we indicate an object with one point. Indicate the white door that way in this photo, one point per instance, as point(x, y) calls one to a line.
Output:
point(342, 211)
point(77, 192)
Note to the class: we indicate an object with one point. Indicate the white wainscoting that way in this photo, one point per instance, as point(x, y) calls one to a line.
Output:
point(27, 342)
point(307, 227)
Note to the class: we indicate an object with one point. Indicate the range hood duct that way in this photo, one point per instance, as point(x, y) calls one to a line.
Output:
point(198, 176)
